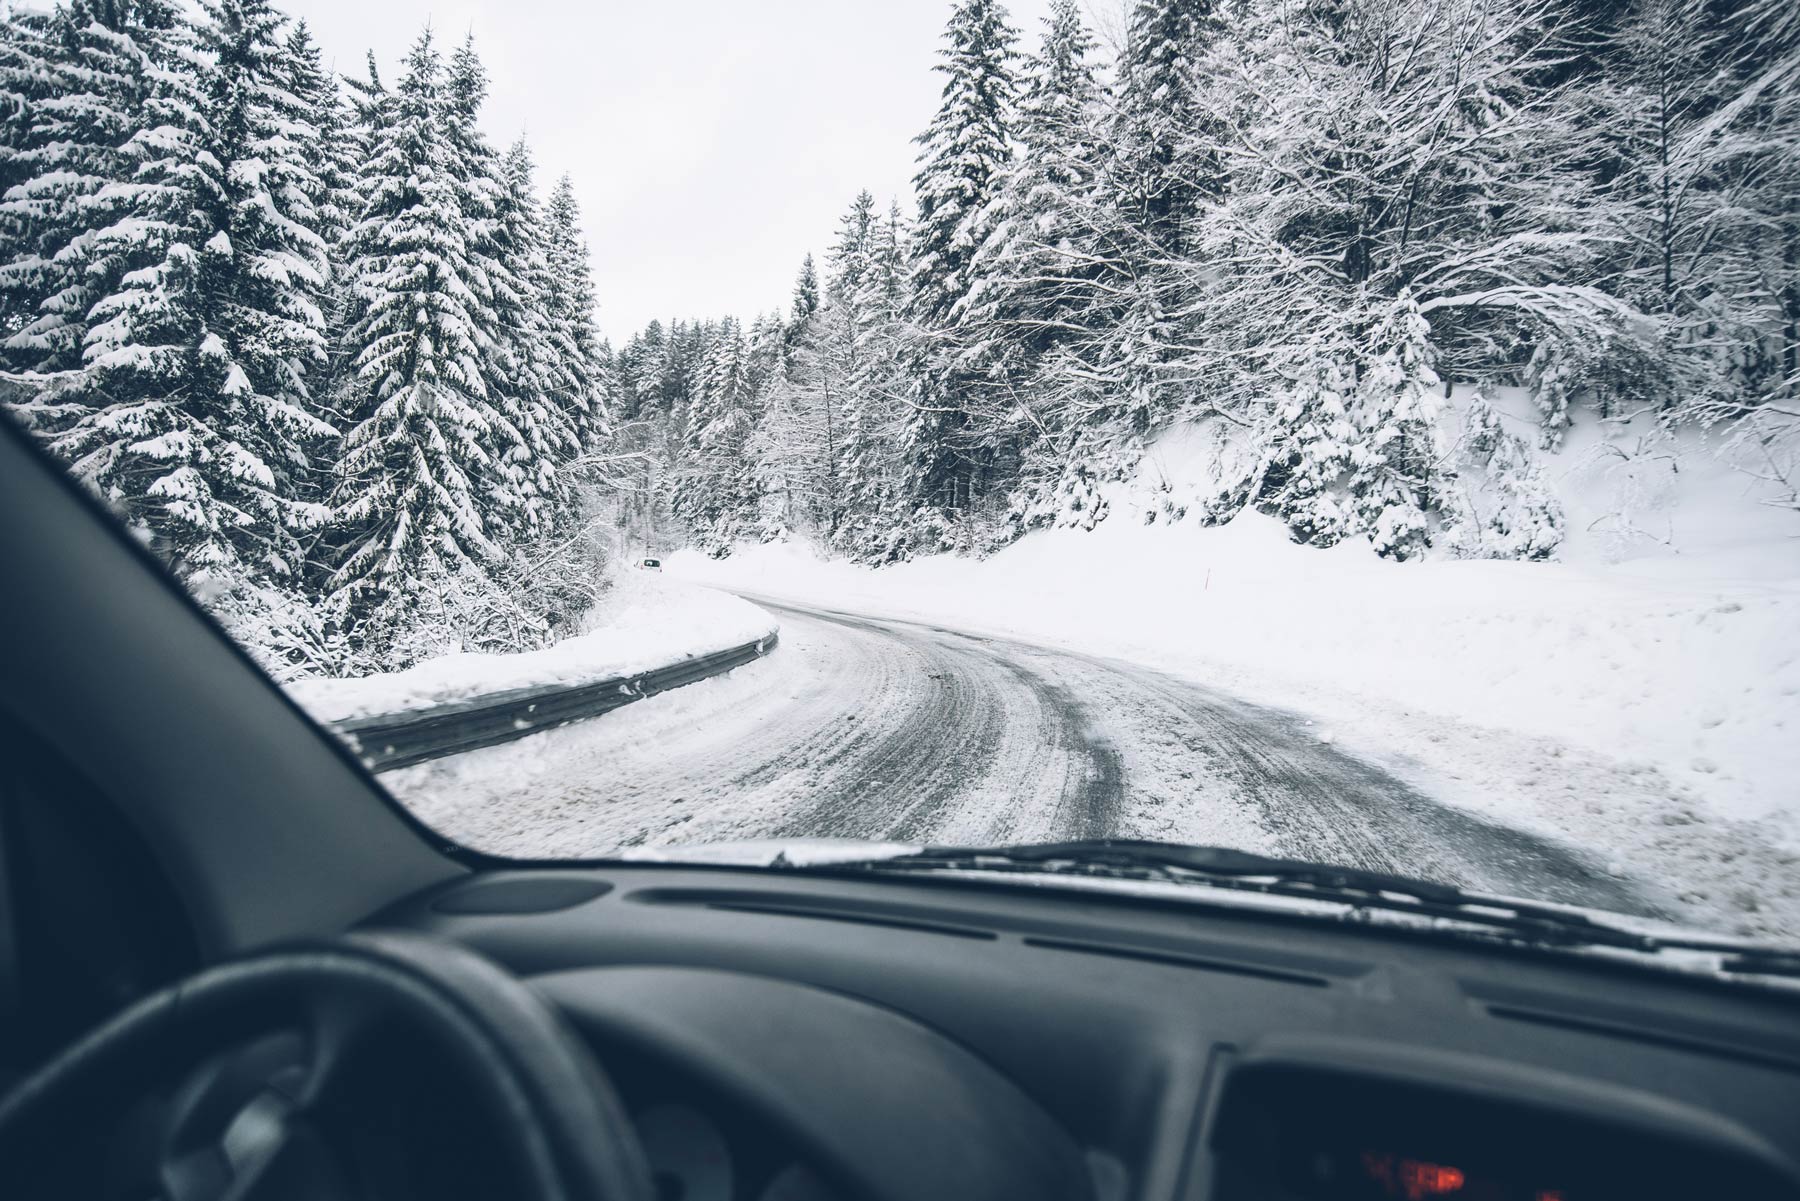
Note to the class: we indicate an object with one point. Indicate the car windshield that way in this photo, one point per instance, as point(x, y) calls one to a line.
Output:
point(1360, 432)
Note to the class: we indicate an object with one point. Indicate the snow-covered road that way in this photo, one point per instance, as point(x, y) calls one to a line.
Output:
point(886, 729)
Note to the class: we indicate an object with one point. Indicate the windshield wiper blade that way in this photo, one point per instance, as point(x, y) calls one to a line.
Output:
point(1224, 867)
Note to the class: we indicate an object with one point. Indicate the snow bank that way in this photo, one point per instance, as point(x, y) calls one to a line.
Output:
point(1646, 710)
point(1665, 661)
point(646, 621)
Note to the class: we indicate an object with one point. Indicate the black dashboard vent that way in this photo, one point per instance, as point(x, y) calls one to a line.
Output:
point(1177, 959)
point(1653, 1031)
point(780, 905)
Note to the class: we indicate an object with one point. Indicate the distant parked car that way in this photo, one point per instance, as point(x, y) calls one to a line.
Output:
point(651, 564)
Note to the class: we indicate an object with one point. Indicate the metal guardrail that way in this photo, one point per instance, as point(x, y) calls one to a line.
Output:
point(391, 740)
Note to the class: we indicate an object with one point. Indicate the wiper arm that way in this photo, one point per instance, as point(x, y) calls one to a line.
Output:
point(1358, 888)
point(1223, 867)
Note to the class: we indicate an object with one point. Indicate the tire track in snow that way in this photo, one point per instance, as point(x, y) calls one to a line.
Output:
point(1315, 801)
point(881, 729)
point(977, 726)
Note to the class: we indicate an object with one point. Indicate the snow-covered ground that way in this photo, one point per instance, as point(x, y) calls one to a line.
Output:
point(1640, 702)
point(1637, 704)
point(903, 732)
point(645, 621)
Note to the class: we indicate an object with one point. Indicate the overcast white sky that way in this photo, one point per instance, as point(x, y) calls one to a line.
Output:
point(712, 142)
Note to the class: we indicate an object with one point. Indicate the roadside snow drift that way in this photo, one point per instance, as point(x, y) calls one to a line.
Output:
point(1700, 677)
point(1645, 710)
point(646, 621)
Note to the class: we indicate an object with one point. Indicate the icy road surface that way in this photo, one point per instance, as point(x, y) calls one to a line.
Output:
point(885, 729)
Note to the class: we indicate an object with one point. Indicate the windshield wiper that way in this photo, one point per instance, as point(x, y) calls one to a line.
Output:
point(1359, 888)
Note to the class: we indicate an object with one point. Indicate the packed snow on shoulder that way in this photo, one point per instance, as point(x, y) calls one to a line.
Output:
point(645, 622)
point(1638, 700)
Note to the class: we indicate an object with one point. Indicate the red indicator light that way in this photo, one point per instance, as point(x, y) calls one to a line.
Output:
point(1414, 1179)
point(1428, 1179)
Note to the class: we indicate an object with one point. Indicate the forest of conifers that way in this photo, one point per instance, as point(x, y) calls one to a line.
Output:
point(316, 339)
point(1302, 221)
point(325, 347)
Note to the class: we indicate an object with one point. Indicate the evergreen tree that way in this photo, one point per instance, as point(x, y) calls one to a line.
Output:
point(195, 417)
point(719, 496)
point(806, 295)
point(964, 154)
point(1394, 478)
point(511, 498)
point(1035, 264)
point(79, 84)
point(1040, 325)
point(550, 418)
point(262, 277)
point(852, 255)
point(1158, 172)
point(1159, 110)
point(1514, 515)
point(1310, 454)
point(876, 404)
point(417, 466)
point(644, 366)
point(582, 386)
point(342, 149)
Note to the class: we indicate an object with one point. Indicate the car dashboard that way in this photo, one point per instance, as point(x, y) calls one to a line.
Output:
point(792, 1036)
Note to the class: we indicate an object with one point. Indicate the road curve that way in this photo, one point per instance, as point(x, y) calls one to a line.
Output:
point(876, 728)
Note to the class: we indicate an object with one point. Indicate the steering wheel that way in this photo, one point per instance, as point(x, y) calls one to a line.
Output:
point(375, 1065)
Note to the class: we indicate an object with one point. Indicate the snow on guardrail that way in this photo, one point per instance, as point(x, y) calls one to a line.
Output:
point(657, 635)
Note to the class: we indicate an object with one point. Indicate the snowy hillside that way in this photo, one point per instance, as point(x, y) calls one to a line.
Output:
point(1641, 697)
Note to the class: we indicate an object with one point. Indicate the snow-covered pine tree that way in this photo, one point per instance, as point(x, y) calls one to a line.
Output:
point(719, 498)
point(963, 156)
point(416, 468)
point(764, 352)
point(262, 279)
point(1036, 265)
point(852, 257)
point(838, 343)
point(583, 386)
point(207, 352)
point(339, 150)
point(643, 365)
point(550, 414)
point(963, 153)
point(1154, 175)
point(1308, 461)
point(320, 117)
point(198, 421)
point(692, 499)
point(1046, 315)
point(512, 500)
point(1158, 173)
point(77, 83)
point(878, 385)
point(793, 444)
point(1513, 514)
point(847, 314)
point(1353, 445)
point(806, 296)
point(888, 282)
point(1396, 473)
point(364, 109)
